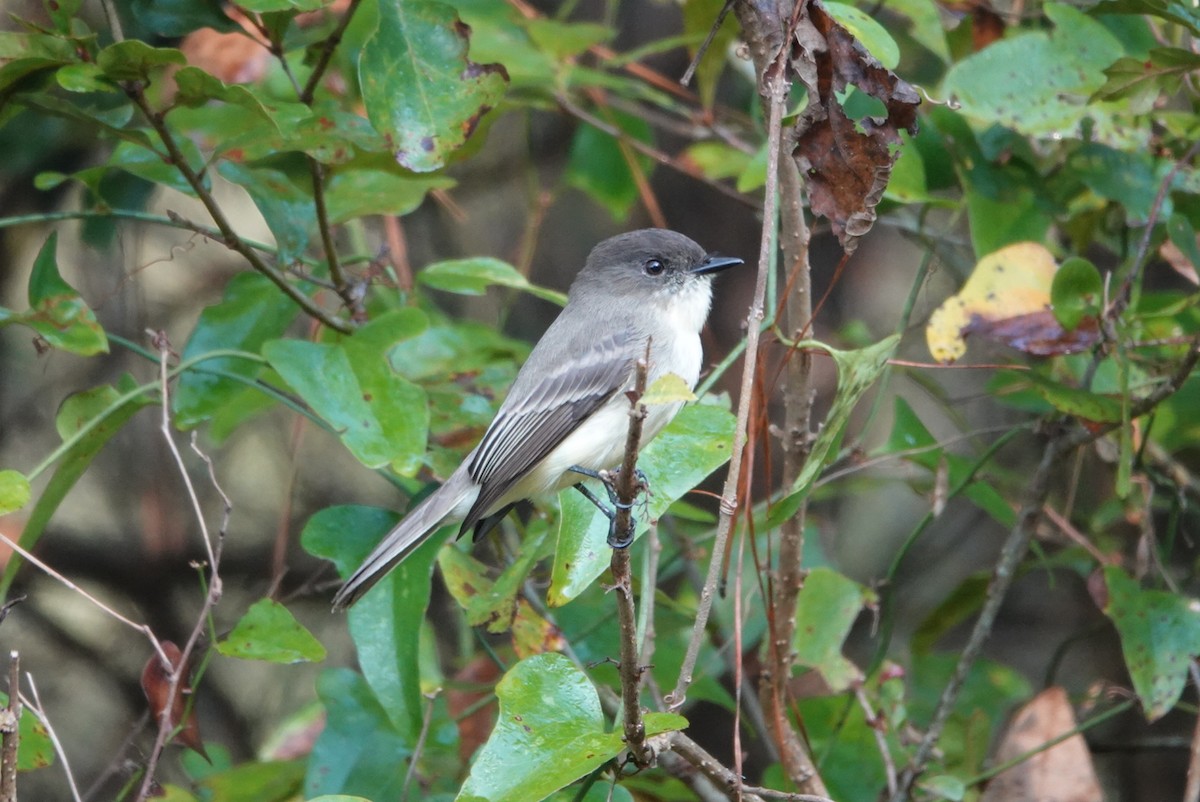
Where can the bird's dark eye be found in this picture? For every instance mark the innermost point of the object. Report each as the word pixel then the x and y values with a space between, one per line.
pixel 653 267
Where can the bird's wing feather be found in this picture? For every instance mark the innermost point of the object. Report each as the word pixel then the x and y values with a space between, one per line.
pixel 531 423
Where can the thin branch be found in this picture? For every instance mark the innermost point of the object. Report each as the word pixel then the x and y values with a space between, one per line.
pixel 39 712
pixel 144 629
pixel 1126 292
pixel 776 93
pixel 710 767
pixel 10 727
pixel 326 56
pixel 700 51
pixel 418 748
pixel 229 237
pixel 177 672
pixel 1192 792
pixel 1059 446
pixel 627 486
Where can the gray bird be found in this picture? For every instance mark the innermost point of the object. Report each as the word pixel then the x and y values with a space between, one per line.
pixel 567 412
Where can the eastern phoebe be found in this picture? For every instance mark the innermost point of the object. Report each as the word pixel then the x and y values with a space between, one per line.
pixel 567 408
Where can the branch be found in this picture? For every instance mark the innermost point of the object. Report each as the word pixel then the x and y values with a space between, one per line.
pixel 1059 446
pixel 776 92
pixel 331 43
pixel 10 718
pixel 627 486
pixel 229 237
pixel 39 712
pixel 177 671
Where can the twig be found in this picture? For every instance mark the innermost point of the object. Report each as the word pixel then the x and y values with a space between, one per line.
pixel 397 245
pixel 885 754
pixel 229 237
pixel 1015 546
pixel 426 720
pixel 142 628
pixel 1192 792
pixel 700 51
pixel 1123 296
pixel 10 727
pixel 326 56
pixel 776 92
pixel 649 581
pixel 710 767
pixel 627 488
pixel 39 712
pixel 178 671
pixel 113 19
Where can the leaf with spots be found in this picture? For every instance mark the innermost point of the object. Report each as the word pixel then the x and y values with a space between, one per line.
pixel 847 161
pixel 57 313
pixel 1007 298
pixel 420 89
pixel 268 631
pixel 1160 635
pixel 550 732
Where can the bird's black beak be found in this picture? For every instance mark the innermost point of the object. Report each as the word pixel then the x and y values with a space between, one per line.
pixel 714 263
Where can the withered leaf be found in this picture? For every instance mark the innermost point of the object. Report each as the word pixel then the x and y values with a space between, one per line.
pixel 156 684
pixel 1037 333
pixel 847 162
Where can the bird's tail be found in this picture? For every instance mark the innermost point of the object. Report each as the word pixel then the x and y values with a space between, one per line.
pixel 405 536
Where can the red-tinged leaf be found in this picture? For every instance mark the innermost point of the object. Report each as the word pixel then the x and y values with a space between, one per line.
pixel 1037 333
pixel 471 686
pixel 156 684
pixel 847 162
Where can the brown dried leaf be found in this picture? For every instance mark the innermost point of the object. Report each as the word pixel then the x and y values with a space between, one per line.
pixel 1037 333
pixel 1062 773
pixel 847 162
pixel 1179 261
pixel 235 58
pixel 474 728
pixel 156 684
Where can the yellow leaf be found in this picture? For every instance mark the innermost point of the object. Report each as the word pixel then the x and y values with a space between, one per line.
pixel 669 388
pixel 1008 283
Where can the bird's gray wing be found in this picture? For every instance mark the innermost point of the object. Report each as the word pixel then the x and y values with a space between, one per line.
pixel 547 402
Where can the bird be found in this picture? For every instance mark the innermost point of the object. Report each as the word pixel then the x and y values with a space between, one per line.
pixel 567 411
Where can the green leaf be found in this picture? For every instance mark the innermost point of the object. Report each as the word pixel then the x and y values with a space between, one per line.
pixel 267 6
pixel 133 60
pixel 826 607
pixel 857 371
pixel 173 18
pixel 550 732
pixel 597 166
pixel 268 631
pixel 944 786
pixel 196 88
pixel 56 312
pixel 1077 292
pixel 35 750
pixel 252 311
pixel 1182 12
pixel 566 39
pixel 14 491
pixel 150 163
pixel 256 781
pixel 693 445
pixel 717 160
pixel 1183 235
pixel 926 25
pixel 1074 401
pixel 474 276
pixel 85 77
pixel 359 752
pixel 1144 79
pixel 698 19
pixel 374 183
pixel 869 33
pixel 1036 82
pixel 90 419
pixel 289 210
pixel 1128 178
pixel 1160 635
pixel 420 89
pixel 386 622
pixel 488 601
pixel 379 415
